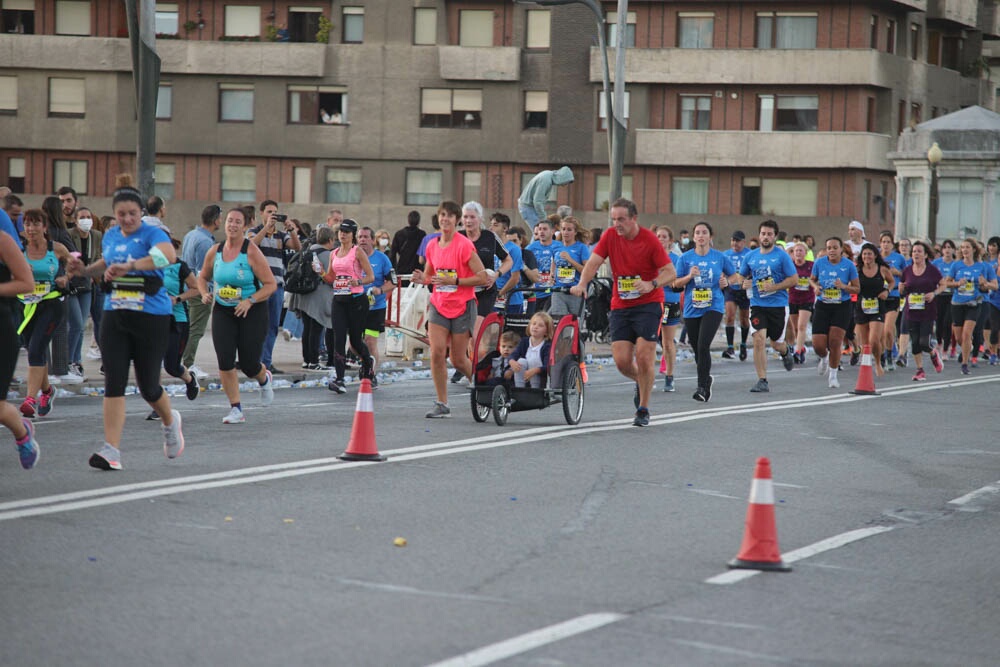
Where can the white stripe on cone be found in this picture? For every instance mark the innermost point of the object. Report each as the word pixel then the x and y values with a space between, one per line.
pixel 365 403
pixel 762 492
pixel 866 360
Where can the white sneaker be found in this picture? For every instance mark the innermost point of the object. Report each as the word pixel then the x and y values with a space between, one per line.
pixel 834 383
pixel 94 353
pixel 55 379
pixel 173 439
pixel 824 366
pixel 267 391
pixel 197 372
pixel 71 378
pixel 235 416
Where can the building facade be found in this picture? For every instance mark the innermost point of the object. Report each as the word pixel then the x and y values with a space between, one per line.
pixel 736 110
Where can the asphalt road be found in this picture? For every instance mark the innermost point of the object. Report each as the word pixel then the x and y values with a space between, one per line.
pixel 529 544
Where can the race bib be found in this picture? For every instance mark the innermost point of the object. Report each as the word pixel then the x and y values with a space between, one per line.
pixel 766 285
pixel 701 298
pixel 41 290
pixel 450 275
pixel 831 295
pixel 567 273
pixel 500 302
pixel 545 278
pixel 628 287
pixel 916 301
pixel 127 299
pixel 803 284
pixel 342 286
pixel 229 295
pixel 869 306
pixel 968 289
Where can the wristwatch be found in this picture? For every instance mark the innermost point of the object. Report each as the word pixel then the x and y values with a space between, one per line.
pixel 654 283
pixel 252 300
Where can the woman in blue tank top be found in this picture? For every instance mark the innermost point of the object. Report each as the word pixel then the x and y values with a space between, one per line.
pixel 243 282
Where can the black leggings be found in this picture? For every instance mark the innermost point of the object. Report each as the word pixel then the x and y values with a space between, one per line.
pixel 175 348
pixel 943 326
pixel 920 335
pixel 701 333
pixel 349 317
pixel 140 339
pixel 8 346
pixel 41 328
pixel 312 331
pixel 243 335
pixel 994 320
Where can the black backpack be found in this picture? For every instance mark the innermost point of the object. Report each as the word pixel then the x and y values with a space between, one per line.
pixel 300 278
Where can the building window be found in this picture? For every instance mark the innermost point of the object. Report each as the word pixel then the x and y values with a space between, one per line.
pixel 873 33
pixel 890 36
pixel 18 18
pixel 475 27
pixel 472 186
pixel 165 102
pixel 72 173
pixel 8 95
pixel 236 102
pixel 425 28
pixel 689 195
pixel 423 187
pixel 539 29
pixel 603 110
pixel 536 110
pixel 915 113
pixel 242 21
pixel 301 185
pixel 694 30
pixel 750 196
pixel 696 112
pixel 870 118
pixel 612 29
pixel 166 20
pixel 317 105
pixel 786 30
pixel 915 46
pixel 343 185
pixel 66 98
pixel 239 183
pixel 442 107
pixel 602 185
pixel 72 17
pixel 354 25
pixel 788 113
pixel 164 177
pixel 303 23
pixel 15 174
pixel 787 196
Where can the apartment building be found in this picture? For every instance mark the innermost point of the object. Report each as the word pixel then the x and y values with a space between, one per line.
pixel 735 110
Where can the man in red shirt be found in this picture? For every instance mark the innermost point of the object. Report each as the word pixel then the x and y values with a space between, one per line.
pixel 640 268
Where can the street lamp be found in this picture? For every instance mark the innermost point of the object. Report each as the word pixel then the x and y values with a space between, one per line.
pixel 616 126
pixel 934 156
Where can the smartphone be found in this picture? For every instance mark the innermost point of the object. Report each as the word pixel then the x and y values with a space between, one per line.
pixel 280 217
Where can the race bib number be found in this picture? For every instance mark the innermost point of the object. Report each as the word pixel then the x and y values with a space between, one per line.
pixel 229 295
pixel 832 295
pixel 701 298
pixel 342 286
pixel 41 290
pixel 545 278
pixel 916 301
pixel 869 306
pixel 765 286
pixel 450 275
pixel 628 287
pixel 127 299
pixel 566 273
pixel 500 302
pixel 803 284
pixel 968 289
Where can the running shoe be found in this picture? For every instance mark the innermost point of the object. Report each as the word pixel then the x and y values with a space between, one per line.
pixel 855 356
pixel 786 359
pixel 456 376
pixel 708 388
pixel 802 357
pixel 94 353
pixel 761 387
pixel 993 360
pixel 743 352
pixel 641 417
pixel 975 359
pixel 72 378
pixel 440 411
pixel 936 360
pixel 197 372
pixel 337 386
pixel 367 369
pixel 919 376
pixel 374 381
pixel 45 401
pixel 729 353
pixel 78 369
pixel 306 366
pixel 153 416
pixel 901 361
pixel 635 396
pixel 700 395
pixel 27 449
pixel 267 390
pixel 108 458
pixel 275 370
pixel 833 383
pixel 965 369
pixel 192 387
pixel 668 383
pixel 823 367
pixel 235 416
pixel 173 438
pixel 29 407
pixel 951 353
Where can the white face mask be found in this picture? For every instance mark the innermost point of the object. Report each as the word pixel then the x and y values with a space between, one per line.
pixel 85 224
pixel 383 242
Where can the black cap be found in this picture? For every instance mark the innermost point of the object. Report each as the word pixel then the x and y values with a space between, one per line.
pixel 739 236
pixel 349 225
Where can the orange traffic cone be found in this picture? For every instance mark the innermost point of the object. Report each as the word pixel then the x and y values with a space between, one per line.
pixel 759 550
pixel 362 445
pixel 866 381
pixel 583 372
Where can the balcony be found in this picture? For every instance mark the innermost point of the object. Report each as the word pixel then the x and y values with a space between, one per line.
pixel 487 63
pixel 989 21
pixel 789 150
pixel 914 5
pixel 105 54
pixel 963 12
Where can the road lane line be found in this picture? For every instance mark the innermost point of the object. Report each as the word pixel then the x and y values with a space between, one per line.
pixel 835 542
pixel 530 641
pixel 717 648
pixel 964 502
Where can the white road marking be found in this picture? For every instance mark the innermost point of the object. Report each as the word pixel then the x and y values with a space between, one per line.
pixel 715 494
pixel 529 641
pixel 409 590
pixel 965 503
pixel 730 651
pixel 709 621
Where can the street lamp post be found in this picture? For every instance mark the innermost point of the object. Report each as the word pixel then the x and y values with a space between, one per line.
pixel 934 156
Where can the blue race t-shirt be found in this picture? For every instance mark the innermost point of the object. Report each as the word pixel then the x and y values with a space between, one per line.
pixel 118 248
pixel 669 295
pixel 382 268
pixel 945 269
pixel 544 255
pixel 897 262
pixel 703 293
pixel 969 292
pixel 737 258
pixel 826 274
pixel 767 270
pixel 514 250
pixel 7 226
pixel 174 277
pixel 566 273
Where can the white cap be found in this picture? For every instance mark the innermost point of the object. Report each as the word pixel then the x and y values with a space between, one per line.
pixel 855 224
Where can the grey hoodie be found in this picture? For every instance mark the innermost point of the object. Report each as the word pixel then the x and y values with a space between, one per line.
pixel 536 192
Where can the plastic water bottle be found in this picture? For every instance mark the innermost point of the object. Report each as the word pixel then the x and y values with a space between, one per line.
pixel 317 267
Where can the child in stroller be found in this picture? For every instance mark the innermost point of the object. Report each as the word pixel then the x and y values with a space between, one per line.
pixel 498 362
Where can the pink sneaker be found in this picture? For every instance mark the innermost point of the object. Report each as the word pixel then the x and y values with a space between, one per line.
pixel 919 376
pixel 936 360
pixel 29 407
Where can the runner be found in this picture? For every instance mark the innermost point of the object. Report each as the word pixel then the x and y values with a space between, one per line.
pixel 704 273
pixel 640 267
pixel 875 280
pixel 545 249
pixel 991 328
pixel 243 282
pixel 570 259
pixel 454 269
pixel 942 327
pixel 15 278
pixel 834 279
pixel 383 284
pixel 902 327
pixel 800 301
pixel 770 273
pixel 969 278
pixel 507 300
pixel 737 299
pixel 671 313
pixel 896 263
pixel 136 324
pixel 921 284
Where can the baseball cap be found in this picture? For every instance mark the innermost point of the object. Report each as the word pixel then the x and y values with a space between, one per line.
pixel 738 235
pixel 349 225
pixel 855 224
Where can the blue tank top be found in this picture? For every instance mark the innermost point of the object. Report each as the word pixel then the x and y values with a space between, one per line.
pixel 44 271
pixel 174 285
pixel 235 280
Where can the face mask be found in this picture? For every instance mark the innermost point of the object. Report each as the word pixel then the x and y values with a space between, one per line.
pixel 85 224
pixel 383 242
